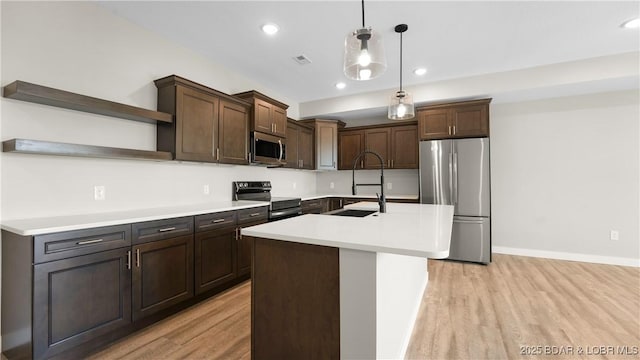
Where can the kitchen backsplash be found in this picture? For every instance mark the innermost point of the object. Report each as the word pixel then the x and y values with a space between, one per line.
pixel 403 182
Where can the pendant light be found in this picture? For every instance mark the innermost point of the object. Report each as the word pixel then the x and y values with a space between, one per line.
pixel 363 53
pixel 401 105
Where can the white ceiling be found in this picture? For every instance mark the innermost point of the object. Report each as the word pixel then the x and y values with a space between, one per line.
pixel 451 39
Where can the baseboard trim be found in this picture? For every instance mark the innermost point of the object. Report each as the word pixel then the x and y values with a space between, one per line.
pixel 609 260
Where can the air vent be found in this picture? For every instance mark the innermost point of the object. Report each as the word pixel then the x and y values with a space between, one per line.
pixel 302 59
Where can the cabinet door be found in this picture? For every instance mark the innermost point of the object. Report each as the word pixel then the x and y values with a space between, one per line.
pixel 470 121
pixel 245 248
pixel 279 118
pixel 196 125
pixel 351 145
pixel 233 134
pixel 162 275
pixel 292 147
pixel 327 145
pixel 78 299
pixel 262 116
pixel 434 124
pixel 305 148
pixel 378 140
pixel 404 147
pixel 215 258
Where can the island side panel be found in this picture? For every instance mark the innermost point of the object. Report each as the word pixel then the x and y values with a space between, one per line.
pixel 358 304
pixel 295 297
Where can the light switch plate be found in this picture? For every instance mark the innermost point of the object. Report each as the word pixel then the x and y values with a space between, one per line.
pixel 614 235
pixel 205 189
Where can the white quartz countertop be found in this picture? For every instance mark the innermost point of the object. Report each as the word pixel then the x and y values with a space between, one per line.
pixel 405 229
pixel 38 226
pixel 320 196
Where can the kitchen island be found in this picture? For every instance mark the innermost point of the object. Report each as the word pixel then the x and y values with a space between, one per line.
pixel 343 287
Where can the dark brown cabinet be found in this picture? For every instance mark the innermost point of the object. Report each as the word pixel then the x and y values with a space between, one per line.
pixel 326 142
pixel 162 264
pixel 162 275
pixel 79 299
pixel 66 293
pixel 300 143
pixel 396 144
pixel 379 141
pixel 268 115
pixel 454 120
pixel 351 143
pixel 404 147
pixel 315 206
pixel 209 126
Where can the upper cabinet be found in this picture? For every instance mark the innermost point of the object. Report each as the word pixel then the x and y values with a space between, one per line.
pixel 300 141
pixel 209 126
pixel 326 140
pixel 454 120
pixel 396 144
pixel 268 116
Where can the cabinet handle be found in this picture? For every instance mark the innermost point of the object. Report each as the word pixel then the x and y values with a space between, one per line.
pixel 129 260
pixel 334 164
pixel 391 162
pixel 89 241
pixel 236 234
pixel 167 229
pixel 138 257
pixel 275 127
pixel 340 202
pixel 454 129
pixel 239 234
pixel 217 153
pixel 254 214
pixel 449 129
pixel 217 221
pixel 362 164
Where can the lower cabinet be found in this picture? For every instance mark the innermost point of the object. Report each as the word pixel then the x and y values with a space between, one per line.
pixel 78 299
pixel 66 293
pixel 162 275
pixel 215 254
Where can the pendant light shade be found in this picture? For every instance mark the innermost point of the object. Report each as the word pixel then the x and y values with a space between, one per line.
pixel 364 57
pixel 401 105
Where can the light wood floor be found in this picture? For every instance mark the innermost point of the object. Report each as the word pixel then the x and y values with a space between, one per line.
pixel 468 312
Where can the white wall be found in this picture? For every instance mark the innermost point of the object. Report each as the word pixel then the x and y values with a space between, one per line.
pixel 83 48
pixel 564 172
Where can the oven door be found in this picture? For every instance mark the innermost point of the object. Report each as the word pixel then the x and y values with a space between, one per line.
pixel 267 149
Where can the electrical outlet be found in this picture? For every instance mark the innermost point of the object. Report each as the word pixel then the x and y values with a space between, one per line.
pixel 332 185
pixel 389 186
pixel 614 235
pixel 99 192
pixel 294 185
pixel 205 189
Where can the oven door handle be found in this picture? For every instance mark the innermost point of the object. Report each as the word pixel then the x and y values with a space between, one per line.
pixel 276 214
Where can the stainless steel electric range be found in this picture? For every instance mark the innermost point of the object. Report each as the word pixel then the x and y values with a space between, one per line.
pixel 279 208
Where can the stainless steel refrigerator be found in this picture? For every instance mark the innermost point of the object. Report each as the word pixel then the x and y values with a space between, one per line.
pixel 456 172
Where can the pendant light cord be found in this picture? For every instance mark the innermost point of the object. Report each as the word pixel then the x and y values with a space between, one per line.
pixel 400 61
pixel 363 14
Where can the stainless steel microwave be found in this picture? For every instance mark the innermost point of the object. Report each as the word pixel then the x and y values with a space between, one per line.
pixel 267 149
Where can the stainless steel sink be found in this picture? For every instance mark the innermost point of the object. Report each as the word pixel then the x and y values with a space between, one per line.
pixel 352 212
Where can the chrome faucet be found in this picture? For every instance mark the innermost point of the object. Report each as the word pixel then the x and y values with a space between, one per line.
pixel 382 201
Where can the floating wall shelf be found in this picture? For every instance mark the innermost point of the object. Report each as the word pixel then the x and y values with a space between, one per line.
pixel 25 91
pixel 25 146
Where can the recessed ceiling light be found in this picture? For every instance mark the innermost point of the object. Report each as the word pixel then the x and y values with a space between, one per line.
pixel 341 85
pixel 420 71
pixel 631 24
pixel 270 29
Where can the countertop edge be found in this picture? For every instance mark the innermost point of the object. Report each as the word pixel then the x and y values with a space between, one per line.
pixel 11 226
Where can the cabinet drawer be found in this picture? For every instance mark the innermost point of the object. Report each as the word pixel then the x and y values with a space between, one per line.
pixel 253 214
pixel 68 244
pixel 215 220
pixel 161 229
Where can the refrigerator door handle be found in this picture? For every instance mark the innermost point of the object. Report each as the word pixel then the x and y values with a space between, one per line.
pixel 451 177
pixel 455 178
pixel 468 221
